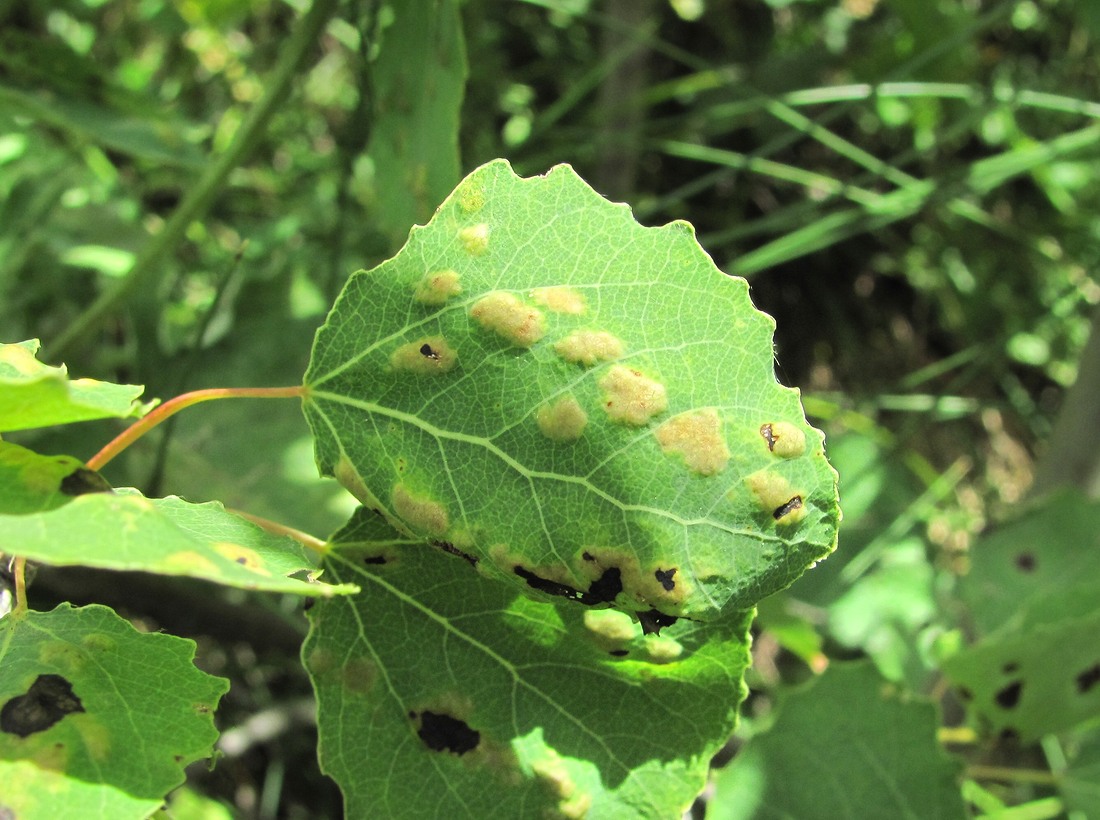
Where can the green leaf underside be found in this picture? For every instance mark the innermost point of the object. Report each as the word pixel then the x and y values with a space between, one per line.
pixel 36 395
pixel 847 746
pixel 1034 592
pixel 135 712
pixel 563 727
pixel 122 530
pixel 470 444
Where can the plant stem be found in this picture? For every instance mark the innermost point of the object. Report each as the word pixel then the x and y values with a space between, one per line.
pixel 200 197
pixel 173 406
pixel 304 538
pixel 19 575
pixel 1006 774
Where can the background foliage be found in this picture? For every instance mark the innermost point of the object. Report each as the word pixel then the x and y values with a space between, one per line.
pixel 910 187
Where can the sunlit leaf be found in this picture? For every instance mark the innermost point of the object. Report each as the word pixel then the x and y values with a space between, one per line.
pixel 36 395
pixel 444 694
pixel 585 407
pixel 96 718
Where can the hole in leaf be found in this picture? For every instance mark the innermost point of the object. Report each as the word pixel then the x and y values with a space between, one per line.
pixel 653 621
pixel 665 579
pixel 1009 696
pixel 619 653
pixel 546 585
pixel 48 700
pixel 604 589
pixel 375 559
pixel 1025 562
pixel 443 733
pixel 1089 678
pixel 82 481
pixel 788 507
pixel 427 352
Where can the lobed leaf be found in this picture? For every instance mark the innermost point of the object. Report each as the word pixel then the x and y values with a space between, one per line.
pixel 585 407
pixel 56 511
pixel 96 718
pixel 444 694
pixel 33 394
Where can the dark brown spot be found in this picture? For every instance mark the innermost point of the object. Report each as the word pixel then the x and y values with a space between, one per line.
pixel 587 556
pixel 1009 696
pixel 664 578
pixel 82 481
pixel 1089 678
pixel 1025 562
pixel 769 437
pixel 48 700
pixel 546 585
pixel 1009 735
pixel 965 693
pixel 427 352
pixel 789 507
pixel 619 653
pixel 653 621
pixel 443 733
pixel 1010 668
pixel 242 560
pixel 375 559
pixel 447 546
pixel 309 604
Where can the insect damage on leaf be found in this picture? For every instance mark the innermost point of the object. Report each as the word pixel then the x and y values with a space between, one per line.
pixel 784 439
pixel 442 733
pixel 244 556
pixel 48 700
pixel 631 397
pixel 560 299
pixel 475 239
pixel 696 437
pixel 506 315
pixel 437 287
pixel 562 421
pixel 82 481
pixel 429 356
pixel 775 494
pixel 420 513
pixel 573 804
pixel 587 347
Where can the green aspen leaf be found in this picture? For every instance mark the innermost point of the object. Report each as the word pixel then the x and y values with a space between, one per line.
pixel 849 746
pixel 75 519
pixel 417 102
pixel 444 694
pixel 36 395
pixel 585 406
pixel 96 718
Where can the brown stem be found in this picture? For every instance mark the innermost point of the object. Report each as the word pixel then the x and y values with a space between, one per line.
pixel 173 406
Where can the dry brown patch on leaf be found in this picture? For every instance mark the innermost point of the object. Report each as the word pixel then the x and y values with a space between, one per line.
pixel 507 316
pixel 588 347
pixel 696 436
pixel 631 397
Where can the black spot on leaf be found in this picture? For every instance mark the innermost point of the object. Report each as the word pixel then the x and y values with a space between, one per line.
pixel 1010 668
pixel 443 733
pixel 665 579
pixel 375 559
pixel 619 653
pixel 790 506
pixel 546 585
pixel 242 560
pixel 653 621
pixel 447 546
pixel 1009 696
pixel 965 693
pixel 82 481
pixel 1089 678
pixel 1025 562
pixel 769 436
pixel 587 556
pixel 427 352
pixel 309 604
pixel 604 589
pixel 48 700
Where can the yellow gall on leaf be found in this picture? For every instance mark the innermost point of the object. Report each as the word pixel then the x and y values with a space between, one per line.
pixel 246 557
pixel 471 198
pixel 589 346
pixel 437 287
pixel 631 397
pixel 430 356
pixel 475 239
pixel 662 649
pixel 784 439
pixel 563 421
pixel 560 299
pixel 777 496
pixel 420 513
pixel 696 436
pixel 506 315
